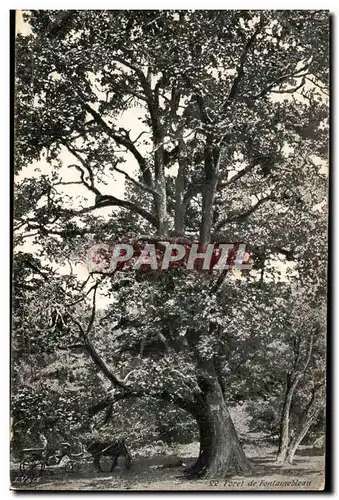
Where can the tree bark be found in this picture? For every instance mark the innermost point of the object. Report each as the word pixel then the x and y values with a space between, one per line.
pixel 211 167
pixel 292 383
pixel 309 419
pixel 296 441
pixel 180 206
pixel 161 206
pixel 220 451
pixel 284 435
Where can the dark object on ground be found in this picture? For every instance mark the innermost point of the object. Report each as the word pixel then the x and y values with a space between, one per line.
pixel 106 454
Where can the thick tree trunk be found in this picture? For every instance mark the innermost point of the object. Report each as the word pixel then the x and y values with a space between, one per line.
pixel 220 451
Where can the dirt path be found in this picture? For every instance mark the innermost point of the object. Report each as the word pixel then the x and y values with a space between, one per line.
pixel 148 474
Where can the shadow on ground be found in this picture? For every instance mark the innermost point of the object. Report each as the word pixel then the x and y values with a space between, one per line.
pixel 150 474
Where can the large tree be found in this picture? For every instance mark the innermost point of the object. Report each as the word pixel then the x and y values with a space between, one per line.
pixel 230 145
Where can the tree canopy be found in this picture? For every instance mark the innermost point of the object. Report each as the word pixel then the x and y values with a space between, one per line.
pixel 217 122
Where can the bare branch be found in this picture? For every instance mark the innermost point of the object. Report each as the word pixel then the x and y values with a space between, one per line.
pixel 142 78
pixel 96 358
pixel 122 141
pixel 135 182
pixel 240 69
pixel 309 354
pixel 243 215
pixel 92 318
pixel 83 162
pixel 61 183
pixel 112 201
pixel 296 74
pixel 322 88
pixel 83 181
pixel 82 298
pixel 291 90
pixel 239 174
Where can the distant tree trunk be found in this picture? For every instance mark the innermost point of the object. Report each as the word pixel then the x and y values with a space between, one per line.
pixel 309 419
pixel 220 451
pixel 292 383
pixel 180 207
pixel 284 435
pixel 296 441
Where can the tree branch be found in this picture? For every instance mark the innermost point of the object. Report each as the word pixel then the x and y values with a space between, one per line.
pixel 280 80
pixel 291 90
pixel 142 186
pixel 92 318
pixel 122 141
pixel 240 70
pixel 96 358
pixel 242 216
pixel 112 201
pixel 163 395
pixel 239 174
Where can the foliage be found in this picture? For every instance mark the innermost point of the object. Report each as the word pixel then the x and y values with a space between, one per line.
pixel 229 144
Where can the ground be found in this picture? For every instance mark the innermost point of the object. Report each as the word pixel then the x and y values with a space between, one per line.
pixel 149 473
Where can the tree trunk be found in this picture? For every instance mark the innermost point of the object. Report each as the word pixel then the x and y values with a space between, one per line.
pixel 162 207
pixel 298 439
pixel 284 435
pixel 310 417
pixel 180 207
pixel 220 451
pixel 292 383
pixel 207 212
pixel 211 166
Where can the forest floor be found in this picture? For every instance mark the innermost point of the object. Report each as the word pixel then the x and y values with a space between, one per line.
pixel 149 473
